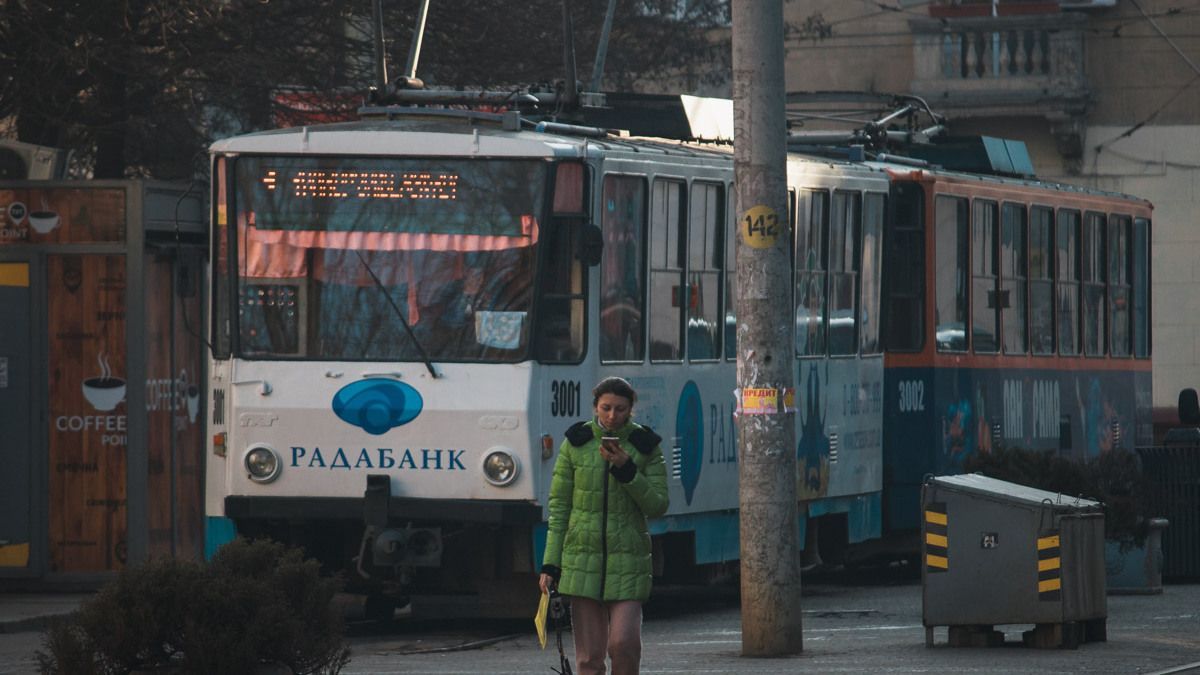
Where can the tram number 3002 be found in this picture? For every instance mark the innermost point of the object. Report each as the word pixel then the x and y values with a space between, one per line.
pixel 912 395
pixel 565 398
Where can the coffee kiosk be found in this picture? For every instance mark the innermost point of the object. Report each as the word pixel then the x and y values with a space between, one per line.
pixel 101 396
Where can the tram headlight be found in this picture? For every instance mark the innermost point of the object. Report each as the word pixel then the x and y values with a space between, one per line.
pixel 499 466
pixel 262 464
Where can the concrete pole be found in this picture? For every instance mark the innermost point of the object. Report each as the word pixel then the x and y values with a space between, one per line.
pixel 770 571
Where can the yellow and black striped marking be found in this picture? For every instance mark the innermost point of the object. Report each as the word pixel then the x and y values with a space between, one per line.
pixel 1049 566
pixel 937 550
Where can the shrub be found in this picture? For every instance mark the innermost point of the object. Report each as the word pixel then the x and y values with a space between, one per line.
pixel 1114 478
pixel 255 603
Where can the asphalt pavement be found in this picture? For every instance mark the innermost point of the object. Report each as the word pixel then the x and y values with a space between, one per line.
pixel 860 625
pixel 24 612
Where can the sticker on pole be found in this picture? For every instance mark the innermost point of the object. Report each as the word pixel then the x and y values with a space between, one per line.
pixel 760 401
pixel 760 227
pixel 789 400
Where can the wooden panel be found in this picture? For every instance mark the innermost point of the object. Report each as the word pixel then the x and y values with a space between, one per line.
pixel 189 349
pixel 62 215
pixel 161 404
pixel 175 442
pixel 88 437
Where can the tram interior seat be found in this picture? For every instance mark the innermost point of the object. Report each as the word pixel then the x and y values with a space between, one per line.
pixel 1189 418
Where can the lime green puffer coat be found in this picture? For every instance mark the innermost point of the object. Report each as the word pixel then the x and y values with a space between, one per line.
pixel 597 538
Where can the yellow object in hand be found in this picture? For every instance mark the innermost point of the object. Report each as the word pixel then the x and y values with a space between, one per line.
pixel 539 619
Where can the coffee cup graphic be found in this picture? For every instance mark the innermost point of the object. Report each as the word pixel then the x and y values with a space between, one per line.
pixel 104 393
pixel 193 402
pixel 43 222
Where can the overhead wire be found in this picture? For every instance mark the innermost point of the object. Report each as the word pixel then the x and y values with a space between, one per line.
pixel 1166 37
pixel 1178 92
pixel 1181 11
pixel 885 9
pixel 1152 162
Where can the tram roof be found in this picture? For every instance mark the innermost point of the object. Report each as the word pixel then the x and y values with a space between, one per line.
pixel 968 178
pixel 445 133
pixel 433 136
pixel 449 136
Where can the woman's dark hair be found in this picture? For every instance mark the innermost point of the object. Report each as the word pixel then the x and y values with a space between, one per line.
pixel 1189 407
pixel 614 385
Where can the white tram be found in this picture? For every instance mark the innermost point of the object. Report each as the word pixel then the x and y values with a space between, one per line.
pixel 408 312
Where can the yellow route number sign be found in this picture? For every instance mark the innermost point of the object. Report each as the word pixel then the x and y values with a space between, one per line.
pixel 760 226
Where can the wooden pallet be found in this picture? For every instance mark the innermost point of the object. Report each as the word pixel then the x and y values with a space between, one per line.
pixel 1065 635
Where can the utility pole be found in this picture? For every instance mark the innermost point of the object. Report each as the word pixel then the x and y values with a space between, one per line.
pixel 770 570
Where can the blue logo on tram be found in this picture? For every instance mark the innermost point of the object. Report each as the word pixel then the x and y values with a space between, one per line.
pixel 812 451
pixel 689 427
pixel 377 405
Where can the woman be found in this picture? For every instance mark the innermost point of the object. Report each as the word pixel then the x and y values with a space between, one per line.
pixel 608 479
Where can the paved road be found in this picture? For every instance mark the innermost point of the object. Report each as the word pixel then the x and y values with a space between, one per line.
pixel 862 628
pixel 847 629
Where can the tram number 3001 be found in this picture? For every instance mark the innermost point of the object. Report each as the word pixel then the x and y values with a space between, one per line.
pixel 565 398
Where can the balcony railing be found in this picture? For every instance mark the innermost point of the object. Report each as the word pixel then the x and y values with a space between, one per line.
pixel 985 66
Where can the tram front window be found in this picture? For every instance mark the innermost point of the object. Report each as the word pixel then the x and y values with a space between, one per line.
pixel 386 259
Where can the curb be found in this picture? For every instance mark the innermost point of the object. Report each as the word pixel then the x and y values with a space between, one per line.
pixel 29 624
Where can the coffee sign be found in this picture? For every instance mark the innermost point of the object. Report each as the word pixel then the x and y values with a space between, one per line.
pixel 88 433
pixel 62 215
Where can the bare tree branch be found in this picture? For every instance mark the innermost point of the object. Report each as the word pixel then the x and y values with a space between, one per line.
pixel 141 87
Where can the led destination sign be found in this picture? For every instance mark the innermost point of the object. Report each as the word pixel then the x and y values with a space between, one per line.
pixel 433 196
pixel 352 184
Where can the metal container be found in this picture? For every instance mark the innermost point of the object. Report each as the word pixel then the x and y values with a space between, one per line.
pixel 1001 553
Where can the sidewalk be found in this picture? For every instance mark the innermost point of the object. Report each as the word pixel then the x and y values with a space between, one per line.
pixel 20 612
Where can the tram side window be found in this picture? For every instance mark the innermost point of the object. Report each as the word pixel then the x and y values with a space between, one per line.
pixel 844 221
pixel 1041 280
pixel 560 334
pixel 730 283
pixel 904 270
pixel 1094 272
pixel 705 244
pixel 622 279
pixel 811 234
pixel 1066 267
pixel 1141 288
pixel 668 295
pixel 1013 278
pixel 871 291
pixel 984 278
pixel 560 331
pixel 952 257
pixel 1118 285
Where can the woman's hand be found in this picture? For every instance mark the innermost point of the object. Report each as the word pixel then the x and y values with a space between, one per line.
pixel 613 453
pixel 545 581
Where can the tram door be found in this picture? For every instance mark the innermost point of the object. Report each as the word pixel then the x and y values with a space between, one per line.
pixel 16 441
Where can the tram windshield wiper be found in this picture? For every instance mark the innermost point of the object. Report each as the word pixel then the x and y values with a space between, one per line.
pixel 399 315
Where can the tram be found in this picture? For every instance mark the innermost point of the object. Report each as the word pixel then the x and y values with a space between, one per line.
pixel 408 311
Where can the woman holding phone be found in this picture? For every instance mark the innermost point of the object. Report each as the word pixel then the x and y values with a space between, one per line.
pixel 608 479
